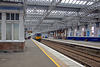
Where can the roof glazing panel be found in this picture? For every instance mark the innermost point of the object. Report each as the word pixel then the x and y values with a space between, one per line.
pixel 41 0
pixel 77 2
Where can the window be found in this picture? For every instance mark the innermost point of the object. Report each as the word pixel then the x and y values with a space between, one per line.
pixel 0 16
pixel 82 31
pixel 12 16
pixel 16 31
pixel 12 31
pixel 8 31
pixel 7 16
pixel 92 31
pixel 0 31
pixel 70 33
pixel 75 32
pixel 17 16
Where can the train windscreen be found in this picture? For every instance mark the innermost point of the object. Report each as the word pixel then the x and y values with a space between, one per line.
pixel 38 34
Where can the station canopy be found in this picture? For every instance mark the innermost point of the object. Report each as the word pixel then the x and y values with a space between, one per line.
pixel 49 15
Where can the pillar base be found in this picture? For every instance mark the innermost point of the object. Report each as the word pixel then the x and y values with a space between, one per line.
pixel 12 46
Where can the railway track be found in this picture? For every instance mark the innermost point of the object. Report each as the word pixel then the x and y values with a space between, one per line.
pixel 80 55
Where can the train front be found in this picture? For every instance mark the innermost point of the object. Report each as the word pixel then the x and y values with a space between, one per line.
pixel 38 36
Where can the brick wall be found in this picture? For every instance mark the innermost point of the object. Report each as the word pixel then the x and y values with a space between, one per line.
pixel 12 46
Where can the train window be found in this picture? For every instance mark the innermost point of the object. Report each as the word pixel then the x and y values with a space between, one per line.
pixel 38 35
pixel 0 31
pixel 7 16
pixel 8 31
pixel 16 31
pixel 17 16
pixel 12 16
pixel 0 16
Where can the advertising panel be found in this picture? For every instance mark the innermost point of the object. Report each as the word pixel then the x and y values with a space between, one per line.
pixel 88 33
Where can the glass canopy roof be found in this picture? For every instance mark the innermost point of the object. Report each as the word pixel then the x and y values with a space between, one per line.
pixel 53 14
pixel 74 2
pixel 66 13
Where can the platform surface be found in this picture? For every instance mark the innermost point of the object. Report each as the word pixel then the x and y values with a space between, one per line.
pixel 63 61
pixel 31 57
pixel 83 43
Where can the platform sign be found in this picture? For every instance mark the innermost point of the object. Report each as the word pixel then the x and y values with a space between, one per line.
pixel 29 31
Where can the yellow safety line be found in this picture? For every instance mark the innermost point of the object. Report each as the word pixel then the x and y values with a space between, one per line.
pixel 46 53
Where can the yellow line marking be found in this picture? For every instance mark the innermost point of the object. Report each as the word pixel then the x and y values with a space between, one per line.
pixel 46 53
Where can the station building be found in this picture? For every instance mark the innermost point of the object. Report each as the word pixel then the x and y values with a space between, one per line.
pixel 11 26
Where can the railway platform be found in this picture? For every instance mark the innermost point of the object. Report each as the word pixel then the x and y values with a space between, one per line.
pixel 80 43
pixel 31 57
pixel 36 54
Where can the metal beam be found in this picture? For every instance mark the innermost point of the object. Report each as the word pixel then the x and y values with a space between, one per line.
pixel 90 8
pixel 58 8
pixel 51 8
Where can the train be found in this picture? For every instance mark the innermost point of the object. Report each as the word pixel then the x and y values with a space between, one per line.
pixel 38 36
